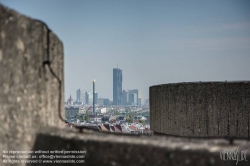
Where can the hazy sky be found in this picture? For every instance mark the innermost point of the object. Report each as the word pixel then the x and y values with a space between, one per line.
pixel 153 42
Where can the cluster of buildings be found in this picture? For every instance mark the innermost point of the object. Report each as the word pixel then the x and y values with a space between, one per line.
pixel 75 111
pixel 124 97
pixel 114 124
pixel 101 114
pixel 120 97
pixel 83 97
pixel 132 128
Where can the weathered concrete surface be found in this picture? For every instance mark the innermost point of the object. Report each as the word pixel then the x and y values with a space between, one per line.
pixel 29 93
pixel 123 150
pixel 209 109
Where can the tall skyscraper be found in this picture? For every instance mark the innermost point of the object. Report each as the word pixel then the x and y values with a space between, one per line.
pixel 137 92
pixel 89 97
pixel 117 86
pixel 80 95
pixel 94 97
pixel 125 97
pixel 133 98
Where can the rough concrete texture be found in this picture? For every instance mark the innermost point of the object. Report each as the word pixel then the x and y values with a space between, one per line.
pixel 203 109
pixel 123 150
pixel 29 93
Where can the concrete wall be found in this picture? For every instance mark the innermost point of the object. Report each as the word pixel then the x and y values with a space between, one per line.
pixel 126 150
pixel 209 109
pixel 29 93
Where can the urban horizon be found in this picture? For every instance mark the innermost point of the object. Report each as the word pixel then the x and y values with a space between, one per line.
pixel 85 96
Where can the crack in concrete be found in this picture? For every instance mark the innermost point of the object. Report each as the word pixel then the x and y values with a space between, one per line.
pixel 48 63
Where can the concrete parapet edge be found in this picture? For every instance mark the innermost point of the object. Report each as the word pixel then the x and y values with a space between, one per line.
pixel 201 109
pixel 121 150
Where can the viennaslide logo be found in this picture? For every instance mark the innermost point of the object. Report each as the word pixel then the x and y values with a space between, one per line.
pixel 233 155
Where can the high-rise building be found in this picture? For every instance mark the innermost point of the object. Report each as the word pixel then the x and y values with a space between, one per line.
pixel 94 97
pixel 133 98
pixel 89 97
pixel 80 95
pixel 117 86
pixel 125 97
pixel 137 92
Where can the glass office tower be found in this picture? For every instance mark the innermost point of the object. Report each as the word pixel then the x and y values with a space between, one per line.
pixel 117 86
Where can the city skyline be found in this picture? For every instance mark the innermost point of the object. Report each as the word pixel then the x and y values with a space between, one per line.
pixel 117 79
pixel 153 42
pixel 119 98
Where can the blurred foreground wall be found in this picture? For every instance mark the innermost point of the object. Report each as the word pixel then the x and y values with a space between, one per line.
pixel 29 93
pixel 202 109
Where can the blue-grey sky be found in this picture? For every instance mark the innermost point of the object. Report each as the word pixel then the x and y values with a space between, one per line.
pixel 153 42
